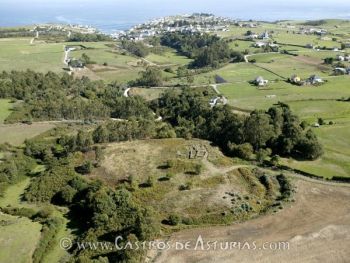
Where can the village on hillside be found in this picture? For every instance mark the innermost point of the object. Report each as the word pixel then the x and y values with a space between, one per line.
pixel 194 23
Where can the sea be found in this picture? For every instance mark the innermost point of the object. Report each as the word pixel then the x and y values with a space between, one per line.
pixel 113 15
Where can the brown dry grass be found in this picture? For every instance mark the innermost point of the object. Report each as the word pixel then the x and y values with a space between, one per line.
pixel 317 226
pixel 206 201
pixel 15 134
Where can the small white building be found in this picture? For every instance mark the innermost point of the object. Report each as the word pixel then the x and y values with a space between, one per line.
pixel 252 36
pixel 260 44
pixel 260 81
pixel 340 71
pixel 340 58
pixel 265 35
pixel 314 79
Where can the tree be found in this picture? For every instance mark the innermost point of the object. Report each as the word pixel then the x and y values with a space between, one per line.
pixel 67 194
pixel 165 131
pixel 308 146
pixel 136 48
pixel 320 121
pixel 100 134
pixel 258 129
pixel 190 79
pixel 174 220
pixel 329 60
pixel 262 154
pixel 86 59
pixel 85 168
pixel 151 77
pixel 275 160
pixel 244 151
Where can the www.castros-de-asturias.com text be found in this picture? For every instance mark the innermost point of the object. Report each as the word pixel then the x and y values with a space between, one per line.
pixel 199 244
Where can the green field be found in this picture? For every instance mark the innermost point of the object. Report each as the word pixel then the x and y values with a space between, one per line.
pixel 148 94
pixel 330 110
pixel 5 109
pixel 13 247
pixel 102 52
pixel 19 54
pixel 336 160
pixel 18 239
pixel 169 58
pixel 15 134
pixel 303 40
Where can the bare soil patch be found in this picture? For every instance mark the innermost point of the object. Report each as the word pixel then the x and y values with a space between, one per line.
pixel 312 61
pixel 317 227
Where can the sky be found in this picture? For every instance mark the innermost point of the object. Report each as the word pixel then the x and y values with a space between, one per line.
pixel 128 12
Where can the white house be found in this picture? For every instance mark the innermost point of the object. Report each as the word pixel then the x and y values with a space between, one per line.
pixel 252 36
pixel 340 71
pixel 273 45
pixel 260 81
pixel 340 58
pixel 260 44
pixel 264 35
pixel 314 79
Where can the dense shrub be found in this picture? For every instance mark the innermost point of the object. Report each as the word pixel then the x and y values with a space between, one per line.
pixel 136 48
pixel 47 240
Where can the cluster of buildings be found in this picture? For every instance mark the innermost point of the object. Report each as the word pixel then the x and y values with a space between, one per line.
pixel 264 36
pixel 246 25
pixel 84 29
pixel 265 44
pixel 264 40
pixel 342 58
pixel 294 79
pixel 312 31
pixel 260 81
pixel 341 71
pixel 196 23
pixel 220 100
pixel 312 80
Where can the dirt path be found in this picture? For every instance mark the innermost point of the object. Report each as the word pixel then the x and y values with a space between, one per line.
pixel 150 63
pixel 223 99
pixel 317 227
pixel 66 55
pixel 215 88
pixel 126 92
pixel 36 37
pixel 213 169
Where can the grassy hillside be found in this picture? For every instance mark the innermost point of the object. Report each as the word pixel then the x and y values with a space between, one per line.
pixel 336 160
pixel 15 134
pixel 13 247
pixel 189 179
pixel 19 54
